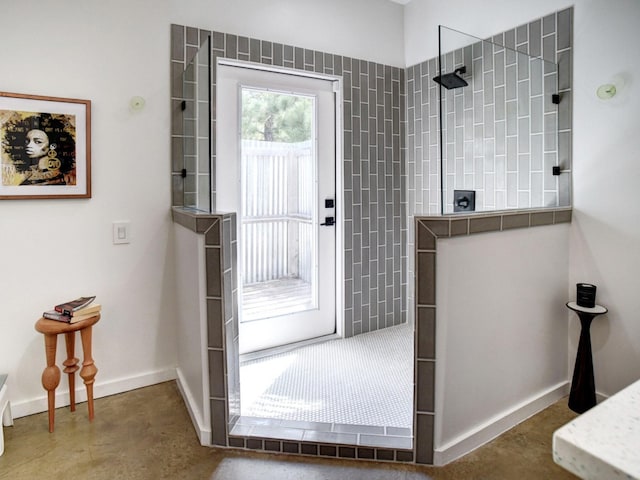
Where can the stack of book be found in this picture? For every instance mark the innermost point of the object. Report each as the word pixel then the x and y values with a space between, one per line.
pixel 74 311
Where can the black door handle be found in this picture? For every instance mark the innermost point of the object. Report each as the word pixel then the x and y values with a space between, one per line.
pixel 329 221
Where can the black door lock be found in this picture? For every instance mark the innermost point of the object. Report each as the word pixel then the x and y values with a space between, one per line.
pixel 329 221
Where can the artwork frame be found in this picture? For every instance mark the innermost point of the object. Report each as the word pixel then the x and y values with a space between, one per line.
pixel 45 147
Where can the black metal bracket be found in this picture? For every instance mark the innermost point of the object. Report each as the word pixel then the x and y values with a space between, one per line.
pixel 555 170
pixel 183 105
pixel 555 99
pixel 183 173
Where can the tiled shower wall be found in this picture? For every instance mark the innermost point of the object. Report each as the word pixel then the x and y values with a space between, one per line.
pixel 499 133
pixel 375 220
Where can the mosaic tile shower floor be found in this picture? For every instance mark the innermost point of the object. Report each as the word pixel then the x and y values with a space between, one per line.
pixel 355 390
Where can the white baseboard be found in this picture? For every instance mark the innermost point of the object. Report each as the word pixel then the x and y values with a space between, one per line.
pixel 203 431
pixel 499 424
pixel 100 389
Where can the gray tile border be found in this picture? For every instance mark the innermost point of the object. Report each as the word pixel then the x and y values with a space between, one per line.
pixel 386 441
pixel 317 426
pixel 254 444
pixel 485 224
pixel 219 417
pixel 330 437
pixel 309 449
pixel 385 455
pixel 236 442
pixel 562 216
pixel 213 271
pixel 366 453
pixel 460 227
pixel 518 220
pixel 272 446
pixel 281 433
pixel 424 449
pixel 290 447
pixel 404 456
pixel 426 330
pixel 217 384
pixel 398 431
pixel 541 218
pixel 425 268
pixel 358 429
pixel 347 452
pixel 425 376
pixel 426 239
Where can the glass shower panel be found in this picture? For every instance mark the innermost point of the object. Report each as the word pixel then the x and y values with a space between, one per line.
pixel 499 127
pixel 196 84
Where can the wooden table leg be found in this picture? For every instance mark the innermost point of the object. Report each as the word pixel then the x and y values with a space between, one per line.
pixel 71 367
pixel 51 375
pixel 89 369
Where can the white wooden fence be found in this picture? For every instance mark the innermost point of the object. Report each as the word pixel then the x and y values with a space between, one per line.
pixel 277 223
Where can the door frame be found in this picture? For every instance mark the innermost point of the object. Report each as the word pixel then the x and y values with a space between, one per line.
pixel 339 180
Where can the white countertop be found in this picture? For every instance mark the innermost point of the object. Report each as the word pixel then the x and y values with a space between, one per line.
pixel 603 442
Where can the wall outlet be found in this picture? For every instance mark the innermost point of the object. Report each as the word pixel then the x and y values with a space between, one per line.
pixel 121 232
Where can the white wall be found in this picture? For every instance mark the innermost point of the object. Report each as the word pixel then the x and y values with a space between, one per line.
pixel 365 29
pixel 479 19
pixel 605 233
pixel 191 337
pixel 501 332
pixel 55 250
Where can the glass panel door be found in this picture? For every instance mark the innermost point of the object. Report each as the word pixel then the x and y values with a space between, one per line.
pixel 278 203
pixel 276 165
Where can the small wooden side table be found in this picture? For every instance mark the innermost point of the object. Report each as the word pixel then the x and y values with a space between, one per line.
pixel 51 374
pixel 583 386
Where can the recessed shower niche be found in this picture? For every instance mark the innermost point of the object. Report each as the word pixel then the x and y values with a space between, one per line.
pixel 494 119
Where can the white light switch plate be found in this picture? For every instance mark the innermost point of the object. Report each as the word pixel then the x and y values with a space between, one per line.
pixel 121 232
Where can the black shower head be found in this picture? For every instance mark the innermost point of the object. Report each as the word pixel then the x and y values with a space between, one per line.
pixel 452 80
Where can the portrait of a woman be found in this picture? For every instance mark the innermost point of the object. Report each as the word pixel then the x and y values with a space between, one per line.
pixel 38 149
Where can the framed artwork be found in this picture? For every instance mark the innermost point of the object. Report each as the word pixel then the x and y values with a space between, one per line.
pixel 45 147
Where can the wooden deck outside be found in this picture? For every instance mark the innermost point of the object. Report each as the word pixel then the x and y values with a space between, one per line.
pixel 274 298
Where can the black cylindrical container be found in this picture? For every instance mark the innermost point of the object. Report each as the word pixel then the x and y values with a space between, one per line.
pixel 586 295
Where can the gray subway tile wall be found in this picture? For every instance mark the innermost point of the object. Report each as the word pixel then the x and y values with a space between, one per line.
pixel 497 130
pixel 373 143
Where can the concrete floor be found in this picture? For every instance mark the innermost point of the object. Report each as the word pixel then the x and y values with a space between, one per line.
pixel 147 434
